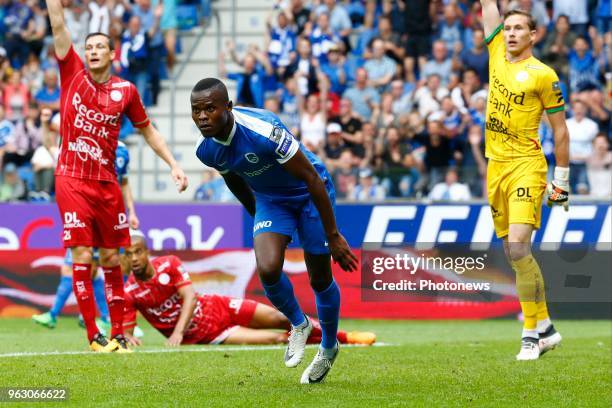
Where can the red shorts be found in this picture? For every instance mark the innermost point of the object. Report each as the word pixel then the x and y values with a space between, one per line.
pixel 93 213
pixel 217 317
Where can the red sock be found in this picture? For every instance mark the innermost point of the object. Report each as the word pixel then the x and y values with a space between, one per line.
pixel 83 291
pixel 113 285
pixel 341 336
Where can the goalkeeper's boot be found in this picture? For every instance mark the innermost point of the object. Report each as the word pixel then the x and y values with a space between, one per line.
pixel 297 343
pixel 104 325
pixel 45 319
pixel 357 337
pixel 100 344
pixel 121 344
pixel 550 339
pixel 320 366
pixel 529 349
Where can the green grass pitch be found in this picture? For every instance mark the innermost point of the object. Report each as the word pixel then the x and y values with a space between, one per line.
pixel 424 363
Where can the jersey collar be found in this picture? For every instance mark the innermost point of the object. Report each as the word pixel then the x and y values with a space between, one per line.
pixel 228 141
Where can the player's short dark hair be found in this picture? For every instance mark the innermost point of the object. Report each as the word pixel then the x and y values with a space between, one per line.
pixel 531 23
pixel 111 45
pixel 207 84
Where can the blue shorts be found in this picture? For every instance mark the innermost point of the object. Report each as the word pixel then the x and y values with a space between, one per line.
pixel 285 216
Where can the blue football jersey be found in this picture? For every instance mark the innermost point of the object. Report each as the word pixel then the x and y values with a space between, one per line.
pixel 122 159
pixel 256 148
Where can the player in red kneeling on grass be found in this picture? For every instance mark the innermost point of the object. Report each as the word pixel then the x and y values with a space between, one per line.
pixel 161 290
pixel 87 193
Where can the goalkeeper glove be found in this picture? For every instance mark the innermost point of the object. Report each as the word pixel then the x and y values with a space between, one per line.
pixel 558 189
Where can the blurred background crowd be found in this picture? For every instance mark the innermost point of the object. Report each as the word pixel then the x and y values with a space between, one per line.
pixel 390 94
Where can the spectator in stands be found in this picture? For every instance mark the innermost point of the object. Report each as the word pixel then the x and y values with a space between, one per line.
pixel 599 168
pixel 450 189
pixel 5 67
pixel 350 126
pixel 397 164
pixel 76 16
pixel 380 68
pixel 281 39
pixel 441 64
pixel 250 82
pixel 558 44
pixel 305 69
pixel 16 97
pixel 300 15
pixel 576 10
pixel 313 123
pixel 7 133
pixel 595 100
pixel 453 121
pixel 12 188
pixel 150 21
pixel 401 99
pixel 367 189
pixel 394 47
pixel 428 97
pixel 477 57
pixel 450 29
pixel 467 91
pixel 33 75
pixel 439 152
pixel 18 20
pixel 289 105
pixel 334 145
pixel 49 95
pixel 99 16
pixel 538 10
pixel 213 188
pixel 335 70
pixel 135 53
pixel 345 175
pixel 323 37
pixel 37 29
pixel 168 26
pixel 26 138
pixel 583 66
pixel 582 131
pixel 45 156
pixel 418 23
pixel 385 116
pixel 339 20
pixel 363 98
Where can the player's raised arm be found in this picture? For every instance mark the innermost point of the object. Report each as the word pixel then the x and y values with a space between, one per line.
pixel 61 36
pixel 158 144
pixel 490 16
pixel 241 190
pixel 300 167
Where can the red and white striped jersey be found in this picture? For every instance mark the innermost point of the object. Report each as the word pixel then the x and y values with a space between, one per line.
pixel 91 116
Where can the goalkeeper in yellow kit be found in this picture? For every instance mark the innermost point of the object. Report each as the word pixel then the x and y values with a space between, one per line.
pixel 521 88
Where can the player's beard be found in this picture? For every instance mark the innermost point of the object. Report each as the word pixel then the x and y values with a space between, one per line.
pixel 141 273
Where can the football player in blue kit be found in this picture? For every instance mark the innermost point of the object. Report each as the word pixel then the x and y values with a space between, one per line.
pixel 285 188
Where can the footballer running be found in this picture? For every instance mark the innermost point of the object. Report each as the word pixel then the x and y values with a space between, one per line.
pixel 521 88
pixel 287 189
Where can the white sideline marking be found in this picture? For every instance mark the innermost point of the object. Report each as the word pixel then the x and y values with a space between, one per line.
pixel 202 349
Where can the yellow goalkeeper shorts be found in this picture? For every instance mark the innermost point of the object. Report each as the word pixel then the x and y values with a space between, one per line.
pixel 515 190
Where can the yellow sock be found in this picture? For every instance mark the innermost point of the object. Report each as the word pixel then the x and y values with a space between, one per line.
pixel 542 311
pixel 530 288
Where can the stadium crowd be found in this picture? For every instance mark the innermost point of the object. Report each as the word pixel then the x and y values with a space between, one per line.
pixel 391 94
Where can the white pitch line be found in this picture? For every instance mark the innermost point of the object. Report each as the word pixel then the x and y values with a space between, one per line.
pixel 203 349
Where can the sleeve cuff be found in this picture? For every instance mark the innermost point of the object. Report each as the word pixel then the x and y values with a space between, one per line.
pixel 493 34
pixel 294 149
pixel 141 125
pixel 555 109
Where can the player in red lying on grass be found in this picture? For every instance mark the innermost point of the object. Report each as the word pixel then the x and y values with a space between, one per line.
pixel 161 290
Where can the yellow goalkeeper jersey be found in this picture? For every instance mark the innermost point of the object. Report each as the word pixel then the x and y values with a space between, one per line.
pixel 518 94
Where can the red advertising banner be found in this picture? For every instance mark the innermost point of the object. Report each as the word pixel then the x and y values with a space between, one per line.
pixel 28 280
